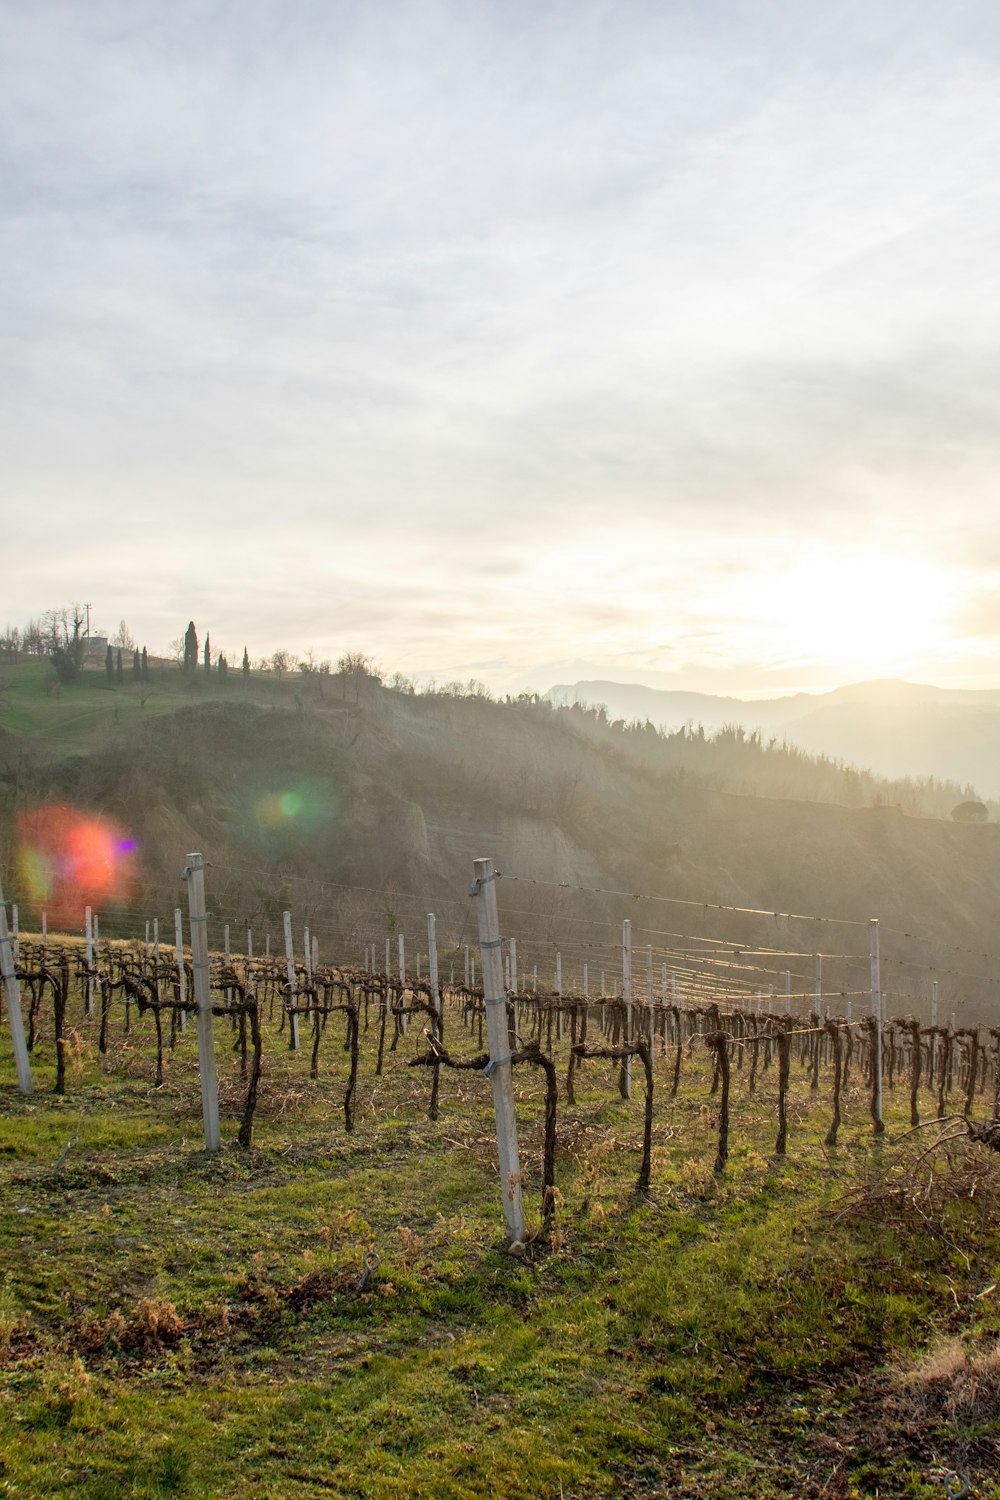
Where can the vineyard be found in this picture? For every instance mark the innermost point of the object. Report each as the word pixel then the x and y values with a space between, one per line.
pixel 255 1159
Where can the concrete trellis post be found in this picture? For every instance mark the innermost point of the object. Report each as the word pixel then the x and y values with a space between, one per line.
pixel 156 957
pixel 467 970
pixel 181 972
pixel 402 978
pixel 513 964
pixel 315 953
pixel 819 984
pixel 12 993
pixel 307 953
pixel 96 926
pixel 626 1072
pixel 88 918
pixel 873 948
pixel 788 992
pixel 388 951
pixel 559 1014
pixel 432 962
pixel 194 874
pixel 293 1020
pixel 586 984
pixel 16 931
pixel 499 1068
pixel 45 932
pixel 650 998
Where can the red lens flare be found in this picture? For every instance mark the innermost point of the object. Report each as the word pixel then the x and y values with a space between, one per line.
pixel 69 859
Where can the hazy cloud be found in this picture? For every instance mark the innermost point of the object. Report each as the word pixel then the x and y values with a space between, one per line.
pixel 572 310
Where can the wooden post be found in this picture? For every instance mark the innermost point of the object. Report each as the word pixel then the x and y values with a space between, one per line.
pixel 873 949
pixel 788 992
pixel 88 918
pixel 513 964
pixel 625 1077
pixel 181 972
pixel 194 874
pixel 650 1001
pixel 293 1020
pixel 819 984
pixel 484 891
pixel 586 985
pixel 12 993
pixel 156 959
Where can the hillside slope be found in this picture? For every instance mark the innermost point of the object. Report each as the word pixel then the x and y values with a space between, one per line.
pixel 364 815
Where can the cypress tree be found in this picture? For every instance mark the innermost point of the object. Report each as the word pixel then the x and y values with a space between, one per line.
pixel 136 664
pixel 145 665
pixel 119 671
pixel 109 664
pixel 190 648
pixel 208 653
pixel 246 665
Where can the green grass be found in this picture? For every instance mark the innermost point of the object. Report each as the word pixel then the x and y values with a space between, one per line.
pixel 174 1324
pixel 78 717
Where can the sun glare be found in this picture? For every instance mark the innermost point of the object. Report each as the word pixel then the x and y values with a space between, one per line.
pixel 856 617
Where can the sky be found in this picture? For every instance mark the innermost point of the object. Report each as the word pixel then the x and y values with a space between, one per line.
pixel 657 342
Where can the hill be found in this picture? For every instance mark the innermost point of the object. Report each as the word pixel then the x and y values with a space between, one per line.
pixel 362 808
pixel 895 729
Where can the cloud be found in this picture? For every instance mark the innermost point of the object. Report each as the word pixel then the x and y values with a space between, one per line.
pixel 338 303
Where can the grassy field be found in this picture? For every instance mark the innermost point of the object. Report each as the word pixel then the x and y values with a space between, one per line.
pixel 173 1324
pixel 77 716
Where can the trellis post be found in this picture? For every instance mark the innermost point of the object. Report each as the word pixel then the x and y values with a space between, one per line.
pixel 181 972
pixel 432 962
pixel 625 1081
pixel 16 925
pixel 499 1069
pixel 559 1014
pixel 873 948
pixel 402 979
pixel 293 1019
pixel 88 918
pixel 513 964
pixel 194 874
pixel 12 992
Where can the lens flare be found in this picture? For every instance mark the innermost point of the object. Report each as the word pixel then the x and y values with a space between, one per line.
pixel 305 806
pixel 68 859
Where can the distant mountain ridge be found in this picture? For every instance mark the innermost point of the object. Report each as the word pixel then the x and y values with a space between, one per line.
pixel 891 727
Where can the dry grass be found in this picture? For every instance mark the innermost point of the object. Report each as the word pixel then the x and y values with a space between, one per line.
pixel 956 1380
